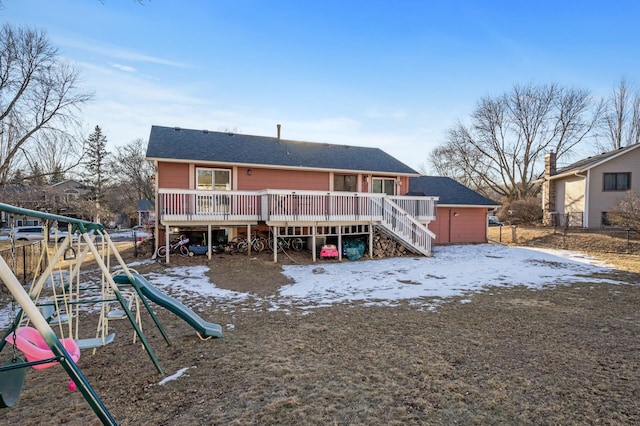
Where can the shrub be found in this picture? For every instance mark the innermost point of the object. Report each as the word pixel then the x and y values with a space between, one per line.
pixel 627 212
pixel 520 212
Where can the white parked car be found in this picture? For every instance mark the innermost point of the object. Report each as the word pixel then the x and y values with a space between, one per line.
pixel 36 233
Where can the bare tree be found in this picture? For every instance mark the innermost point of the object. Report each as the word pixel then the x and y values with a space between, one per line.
pixel 622 118
pixel 499 152
pixel 39 93
pixel 627 212
pixel 132 169
pixel 57 153
pixel 131 175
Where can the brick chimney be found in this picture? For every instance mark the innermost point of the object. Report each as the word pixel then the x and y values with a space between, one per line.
pixel 549 190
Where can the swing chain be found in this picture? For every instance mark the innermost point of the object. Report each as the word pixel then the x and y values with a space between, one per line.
pixel 13 269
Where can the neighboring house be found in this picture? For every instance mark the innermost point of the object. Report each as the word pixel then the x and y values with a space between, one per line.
pixel 583 193
pixel 67 191
pixel 207 181
pixel 461 215
pixel 59 198
pixel 146 213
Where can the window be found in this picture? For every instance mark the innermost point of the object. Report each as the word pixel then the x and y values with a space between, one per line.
pixel 217 180
pixel 213 179
pixel 347 183
pixel 71 194
pixel 384 186
pixel 617 181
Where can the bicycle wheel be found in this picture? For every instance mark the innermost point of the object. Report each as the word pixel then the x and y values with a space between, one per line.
pixel 257 246
pixel 162 251
pixel 297 244
pixel 242 246
pixel 184 251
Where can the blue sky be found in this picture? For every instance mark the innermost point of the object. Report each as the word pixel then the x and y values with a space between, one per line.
pixel 394 75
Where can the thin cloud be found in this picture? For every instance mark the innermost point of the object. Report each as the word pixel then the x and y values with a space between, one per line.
pixel 125 68
pixel 117 52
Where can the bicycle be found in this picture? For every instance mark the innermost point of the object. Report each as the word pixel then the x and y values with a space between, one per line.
pixel 176 246
pixel 286 243
pixel 257 242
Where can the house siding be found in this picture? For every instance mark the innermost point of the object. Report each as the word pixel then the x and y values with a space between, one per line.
pixel 469 226
pixel 179 176
pixel 603 201
pixel 282 179
pixel 571 195
pixel 173 175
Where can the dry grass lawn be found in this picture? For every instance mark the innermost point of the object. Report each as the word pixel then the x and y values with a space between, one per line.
pixel 562 355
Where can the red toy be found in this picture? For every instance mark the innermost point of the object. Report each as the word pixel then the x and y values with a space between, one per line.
pixel 329 250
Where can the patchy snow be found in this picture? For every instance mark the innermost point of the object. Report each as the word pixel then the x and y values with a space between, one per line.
pixel 452 271
pixel 425 281
pixel 174 376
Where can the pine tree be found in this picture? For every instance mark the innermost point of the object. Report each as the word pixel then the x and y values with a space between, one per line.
pixel 37 176
pixel 96 164
pixel 57 175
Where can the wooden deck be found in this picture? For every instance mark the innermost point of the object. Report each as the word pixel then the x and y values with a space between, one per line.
pixel 403 217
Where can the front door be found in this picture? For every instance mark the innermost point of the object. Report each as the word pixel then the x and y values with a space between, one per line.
pixel 208 179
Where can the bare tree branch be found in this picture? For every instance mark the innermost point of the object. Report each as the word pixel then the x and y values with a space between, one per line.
pixel 500 151
pixel 39 93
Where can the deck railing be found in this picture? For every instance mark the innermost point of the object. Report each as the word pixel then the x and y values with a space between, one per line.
pixel 180 205
pixel 315 206
pixel 401 216
pixel 422 208
pixel 406 227
pixel 191 205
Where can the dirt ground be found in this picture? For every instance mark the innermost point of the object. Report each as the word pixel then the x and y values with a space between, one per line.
pixel 562 355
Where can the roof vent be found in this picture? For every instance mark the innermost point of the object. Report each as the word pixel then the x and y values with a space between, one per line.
pixel 177 129
pixel 205 131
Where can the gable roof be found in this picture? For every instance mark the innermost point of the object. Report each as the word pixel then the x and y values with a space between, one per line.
pixel 591 162
pixel 145 206
pixel 449 191
pixel 169 143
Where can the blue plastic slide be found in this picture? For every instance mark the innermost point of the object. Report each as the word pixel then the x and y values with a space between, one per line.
pixel 206 329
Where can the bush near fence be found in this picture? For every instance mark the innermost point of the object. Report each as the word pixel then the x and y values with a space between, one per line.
pixel 592 240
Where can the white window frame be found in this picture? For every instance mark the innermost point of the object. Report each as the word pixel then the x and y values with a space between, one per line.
pixel 213 177
pixel 384 182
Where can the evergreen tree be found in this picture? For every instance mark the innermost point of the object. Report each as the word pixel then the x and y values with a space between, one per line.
pixel 37 176
pixel 17 178
pixel 57 175
pixel 96 165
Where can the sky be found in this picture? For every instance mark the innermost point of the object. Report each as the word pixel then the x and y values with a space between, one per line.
pixel 392 75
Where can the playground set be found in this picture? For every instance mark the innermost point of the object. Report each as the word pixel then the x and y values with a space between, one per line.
pixel 31 336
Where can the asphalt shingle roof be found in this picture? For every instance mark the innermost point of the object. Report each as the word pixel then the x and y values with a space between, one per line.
pixel 201 145
pixel 449 191
pixel 589 162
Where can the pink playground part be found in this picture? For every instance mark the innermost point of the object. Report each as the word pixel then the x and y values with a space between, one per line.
pixel 329 250
pixel 35 348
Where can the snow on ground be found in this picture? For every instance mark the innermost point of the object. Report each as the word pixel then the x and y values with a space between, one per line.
pixel 452 271
pixel 426 281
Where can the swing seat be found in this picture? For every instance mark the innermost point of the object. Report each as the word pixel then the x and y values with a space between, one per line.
pixel 11 382
pixel 35 348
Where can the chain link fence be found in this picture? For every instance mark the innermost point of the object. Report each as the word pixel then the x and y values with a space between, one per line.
pixel 612 240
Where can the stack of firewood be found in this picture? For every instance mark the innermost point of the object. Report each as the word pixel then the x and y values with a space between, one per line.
pixel 386 246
